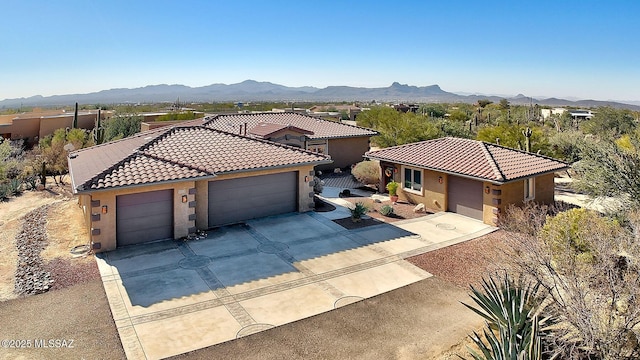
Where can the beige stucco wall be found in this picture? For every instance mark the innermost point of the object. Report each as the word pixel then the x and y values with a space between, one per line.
pixel 346 152
pixel 304 190
pixel 106 225
pixel 433 195
pixel 197 204
pixel 495 198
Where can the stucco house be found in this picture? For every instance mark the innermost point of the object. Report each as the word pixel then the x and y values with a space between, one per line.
pixel 470 177
pixel 346 144
pixel 168 182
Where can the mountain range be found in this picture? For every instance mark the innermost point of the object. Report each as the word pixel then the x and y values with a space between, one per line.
pixel 251 90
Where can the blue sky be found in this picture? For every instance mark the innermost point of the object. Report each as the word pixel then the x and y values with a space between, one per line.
pixel 583 49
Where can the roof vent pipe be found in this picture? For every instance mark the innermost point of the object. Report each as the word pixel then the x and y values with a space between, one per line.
pixel 245 129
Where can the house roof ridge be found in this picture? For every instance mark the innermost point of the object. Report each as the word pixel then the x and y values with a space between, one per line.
pixel 492 161
pixel 108 170
pixel 128 138
pixel 523 152
pixel 178 163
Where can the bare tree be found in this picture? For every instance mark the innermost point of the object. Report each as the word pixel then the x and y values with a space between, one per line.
pixel 589 267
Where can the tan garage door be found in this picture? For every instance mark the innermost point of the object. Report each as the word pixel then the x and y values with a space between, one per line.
pixel 465 197
pixel 144 217
pixel 236 200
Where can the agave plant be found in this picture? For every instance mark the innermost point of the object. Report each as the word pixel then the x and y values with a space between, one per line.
pixel 513 328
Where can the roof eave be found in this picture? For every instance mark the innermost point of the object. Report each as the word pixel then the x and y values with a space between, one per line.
pixel 492 181
pixel 314 163
pixel 113 188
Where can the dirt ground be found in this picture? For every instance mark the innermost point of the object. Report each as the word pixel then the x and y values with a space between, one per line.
pixel 64 228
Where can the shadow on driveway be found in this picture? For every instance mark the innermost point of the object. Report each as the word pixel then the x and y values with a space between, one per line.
pixel 236 254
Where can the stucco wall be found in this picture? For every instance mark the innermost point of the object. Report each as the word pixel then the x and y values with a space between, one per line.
pixel 103 225
pixel 433 195
pixel 346 152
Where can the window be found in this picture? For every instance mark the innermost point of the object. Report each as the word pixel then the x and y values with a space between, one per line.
pixel 319 147
pixel 529 189
pixel 412 180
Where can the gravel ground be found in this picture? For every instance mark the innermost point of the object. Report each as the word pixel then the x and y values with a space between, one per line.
pixel 402 210
pixel 464 264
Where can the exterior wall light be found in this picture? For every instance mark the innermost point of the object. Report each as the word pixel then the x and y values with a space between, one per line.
pixel 440 180
pixel 105 209
pixel 487 190
pixel 185 198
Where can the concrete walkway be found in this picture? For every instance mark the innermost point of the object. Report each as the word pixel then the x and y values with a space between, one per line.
pixel 172 297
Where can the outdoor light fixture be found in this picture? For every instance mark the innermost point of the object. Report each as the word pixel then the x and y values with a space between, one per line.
pixel 306 179
pixel 105 209
pixel 185 198
pixel 487 190
pixel 440 180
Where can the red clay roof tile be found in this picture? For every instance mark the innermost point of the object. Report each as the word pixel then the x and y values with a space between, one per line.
pixel 177 153
pixel 321 129
pixel 472 158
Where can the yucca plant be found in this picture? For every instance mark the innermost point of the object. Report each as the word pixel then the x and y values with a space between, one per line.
pixel 358 211
pixel 513 328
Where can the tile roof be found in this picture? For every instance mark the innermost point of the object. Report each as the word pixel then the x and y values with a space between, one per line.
pixel 178 153
pixel 470 158
pixel 321 129
pixel 264 129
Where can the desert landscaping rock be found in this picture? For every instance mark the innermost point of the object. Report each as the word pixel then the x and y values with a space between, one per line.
pixel 31 275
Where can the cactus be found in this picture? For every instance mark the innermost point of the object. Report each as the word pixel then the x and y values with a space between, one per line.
pixel 98 131
pixel 75 117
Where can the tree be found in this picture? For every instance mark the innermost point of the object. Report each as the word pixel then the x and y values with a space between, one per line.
pixel 608 169
pixel 608 120
pixel 54 149
pixel 504 104
pixel 119 127
pixel 593 298
pixel 510 135
pixel 433 110
pixel 397 128
pixel 484 102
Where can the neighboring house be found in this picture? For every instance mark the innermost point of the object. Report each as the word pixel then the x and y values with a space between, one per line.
pixel 33 126
pixel 581 114
pixel 469 177
pixel 168 182
pixel 346 144
pixel 546 113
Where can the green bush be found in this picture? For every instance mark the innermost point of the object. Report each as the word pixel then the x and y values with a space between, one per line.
pixel 358 211
pixel 367 172
pixel 14 187
pixel 4 192
pixel 386 210
pixel 318 185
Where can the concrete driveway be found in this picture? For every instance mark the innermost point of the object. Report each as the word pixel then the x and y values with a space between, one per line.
pixel 172 297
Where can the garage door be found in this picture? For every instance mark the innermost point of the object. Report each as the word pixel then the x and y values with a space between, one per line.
pixel 236 200
pixel 465 197
pixel 144 217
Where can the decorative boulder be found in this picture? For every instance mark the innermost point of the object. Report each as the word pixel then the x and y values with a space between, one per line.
pixel 419 208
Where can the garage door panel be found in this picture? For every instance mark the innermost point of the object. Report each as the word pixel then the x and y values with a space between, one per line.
pixel 144 217
pixel 465 197
pixel 247 198
pixel 154 209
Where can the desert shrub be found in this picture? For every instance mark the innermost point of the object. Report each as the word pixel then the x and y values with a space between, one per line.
pixel 569 233
pixel 386 210
pixel 367 172
pixel 358 211
pixel 4 192
pixel 14 187
pixel 318 185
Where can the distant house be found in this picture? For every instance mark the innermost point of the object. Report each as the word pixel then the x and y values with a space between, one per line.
pixel 346 144
pixel 581 114
pixel 469 177
pixel 404 108
pixel 33 126
pixel 169 182
pixel 546 113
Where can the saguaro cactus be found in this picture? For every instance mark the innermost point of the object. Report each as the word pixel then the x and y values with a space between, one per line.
pixel 75 117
